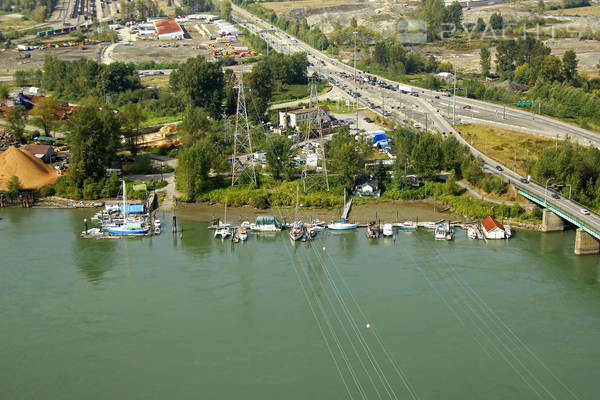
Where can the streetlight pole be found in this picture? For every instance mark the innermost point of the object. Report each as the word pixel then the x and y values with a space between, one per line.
pixel 355 33
pixel 454 105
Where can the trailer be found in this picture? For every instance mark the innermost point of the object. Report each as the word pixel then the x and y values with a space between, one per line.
pixel 405 88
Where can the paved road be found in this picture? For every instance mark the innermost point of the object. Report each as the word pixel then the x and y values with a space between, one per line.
pixel 424 109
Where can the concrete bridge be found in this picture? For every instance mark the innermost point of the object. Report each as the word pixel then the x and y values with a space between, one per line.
pixel 557 211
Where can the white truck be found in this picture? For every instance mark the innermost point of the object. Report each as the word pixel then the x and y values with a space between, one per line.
pixel 405 88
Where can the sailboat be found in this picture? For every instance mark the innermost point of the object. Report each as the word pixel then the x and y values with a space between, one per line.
pixel 126 226
pixel 223 229
pixel 297 229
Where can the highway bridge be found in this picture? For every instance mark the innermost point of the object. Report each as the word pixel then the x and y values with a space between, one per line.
pixel 435 111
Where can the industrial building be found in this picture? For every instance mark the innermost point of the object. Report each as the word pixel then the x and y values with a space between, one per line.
pixel 168 29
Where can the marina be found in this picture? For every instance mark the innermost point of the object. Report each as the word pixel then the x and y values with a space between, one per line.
pixel 209 302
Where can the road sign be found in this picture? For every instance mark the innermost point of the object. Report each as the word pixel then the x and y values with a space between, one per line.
pixel 525 103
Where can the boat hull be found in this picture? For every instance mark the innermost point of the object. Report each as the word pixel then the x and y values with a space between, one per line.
pixel 125 232
pixel 342 227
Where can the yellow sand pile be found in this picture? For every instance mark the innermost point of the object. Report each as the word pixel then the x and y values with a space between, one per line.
pixel 31 171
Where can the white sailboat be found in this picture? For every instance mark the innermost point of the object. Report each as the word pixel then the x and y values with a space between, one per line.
pixel 223 230
pixel 126 226
pixel 297 228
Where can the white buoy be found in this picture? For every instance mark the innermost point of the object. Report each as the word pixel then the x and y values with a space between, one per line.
pixel 368 326
pixel 323 248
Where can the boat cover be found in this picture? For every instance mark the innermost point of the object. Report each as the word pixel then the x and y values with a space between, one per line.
pixel 268 220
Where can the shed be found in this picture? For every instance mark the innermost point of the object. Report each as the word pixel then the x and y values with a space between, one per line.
pixel 42 151
pixel 492 229
pixel 367 187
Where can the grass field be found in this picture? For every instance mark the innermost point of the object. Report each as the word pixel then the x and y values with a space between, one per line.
pixel 155 80
pixel 503 144
pixel 285 6
pixel 589 11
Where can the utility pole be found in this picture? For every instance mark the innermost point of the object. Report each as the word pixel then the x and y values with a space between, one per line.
pixel 504 112
pixel 426 121
pixel 355 33
pixel 242 142
pixel 454 105
pixel 515 165
pixel 317 115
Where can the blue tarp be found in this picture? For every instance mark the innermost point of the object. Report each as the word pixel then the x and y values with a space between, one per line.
pixel 134 208
pixel 378 136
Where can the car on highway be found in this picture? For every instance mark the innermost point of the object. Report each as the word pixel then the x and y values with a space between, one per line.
pixel 555 196
pixel 499 168
pixel 524 180
pixel 467 107
pixel 585 211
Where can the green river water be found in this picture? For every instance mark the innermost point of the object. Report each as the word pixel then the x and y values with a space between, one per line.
pixel 198 318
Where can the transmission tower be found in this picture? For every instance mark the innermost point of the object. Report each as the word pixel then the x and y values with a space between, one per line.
pixel 315 119
pixel 242 143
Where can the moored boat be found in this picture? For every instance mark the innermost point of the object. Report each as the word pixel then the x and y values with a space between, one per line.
pixel 388 230
pixel 373 230
pixel 408 226
pixel 341 225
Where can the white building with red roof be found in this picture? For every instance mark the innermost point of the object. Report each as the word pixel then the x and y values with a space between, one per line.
pixel 168 29
pixel 492 229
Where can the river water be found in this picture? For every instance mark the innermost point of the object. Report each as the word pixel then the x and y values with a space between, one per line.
pixel 342 317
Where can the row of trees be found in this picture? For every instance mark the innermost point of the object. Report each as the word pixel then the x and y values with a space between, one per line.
pixel 140 10
pixel 39 10
pixel 87 77
pixel 575 165
pixel 435 13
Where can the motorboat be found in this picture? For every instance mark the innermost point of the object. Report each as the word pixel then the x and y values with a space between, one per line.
pixel 242 233
pixel 429 225
pixel 440 232
pixel 507 231
pixel 373 230
pixel 297 230
pixel 341 225
pixel 408 226
pixel 224 232
pixel 388 230
pixel 471 233
pixel 311 232
pixel 318 225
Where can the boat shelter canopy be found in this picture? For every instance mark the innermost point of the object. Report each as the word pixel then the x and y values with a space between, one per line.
pixel 134 208
pixel 268 220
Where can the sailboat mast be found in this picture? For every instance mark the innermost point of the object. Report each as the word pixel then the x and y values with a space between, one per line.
pixel 124 200
pixel 297 189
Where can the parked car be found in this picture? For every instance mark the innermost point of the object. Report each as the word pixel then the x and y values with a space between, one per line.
pixel 499 168
pixel 585 211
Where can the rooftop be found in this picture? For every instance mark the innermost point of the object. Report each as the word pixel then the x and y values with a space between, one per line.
pixel 490 223
pixel 167 26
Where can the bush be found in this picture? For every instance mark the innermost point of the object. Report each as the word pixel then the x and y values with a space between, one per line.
pixel 260 202
pixel 141 165
pixel 47 191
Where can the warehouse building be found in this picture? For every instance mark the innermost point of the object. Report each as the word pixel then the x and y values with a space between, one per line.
pixel 168 29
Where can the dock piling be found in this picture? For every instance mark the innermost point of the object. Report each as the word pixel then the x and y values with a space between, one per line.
pixel 174 224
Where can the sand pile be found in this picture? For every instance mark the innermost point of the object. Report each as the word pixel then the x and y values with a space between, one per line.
pixel 31 171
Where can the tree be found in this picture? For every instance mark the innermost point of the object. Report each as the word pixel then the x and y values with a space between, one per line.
pixel 496 21
pixel 194 164
pixel 454 14
pixel 202 82
pixel 541 5
pixel 93 131
pixel 14 185
pixel 353 22
pixel 195 124
pixel 47 111
pixel 569 65
pixel 485 61
pixel 551 69
pixel 16 117
pixel 4 92
pixel 133 116
pixel 346 159
pixel 226 10
pixel 40 13
pixel 480 27
pixel 279 156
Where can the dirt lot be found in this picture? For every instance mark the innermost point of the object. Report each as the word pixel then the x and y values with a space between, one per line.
pixel 286 6
pixel 10 60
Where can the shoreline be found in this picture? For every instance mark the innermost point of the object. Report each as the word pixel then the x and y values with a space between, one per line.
pixel 392 211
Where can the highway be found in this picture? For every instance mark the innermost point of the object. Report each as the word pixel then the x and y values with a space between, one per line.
pixel 435 110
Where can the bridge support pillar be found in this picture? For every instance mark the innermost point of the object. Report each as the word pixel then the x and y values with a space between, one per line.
pixel 586 243
pixel 552 222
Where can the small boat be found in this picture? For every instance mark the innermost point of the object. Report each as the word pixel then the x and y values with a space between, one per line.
pixel 341 225
pixel 157 230
pixel 429 225
pixel 388 230
pixel 242 233
pixel 408 226
pixel 92 232
pixel 440 232
pixel 318 224
pixel 297 230
pixel 224 232
pixel 471 233
pixel 507 231
pixel 311 232
pixel 373 230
